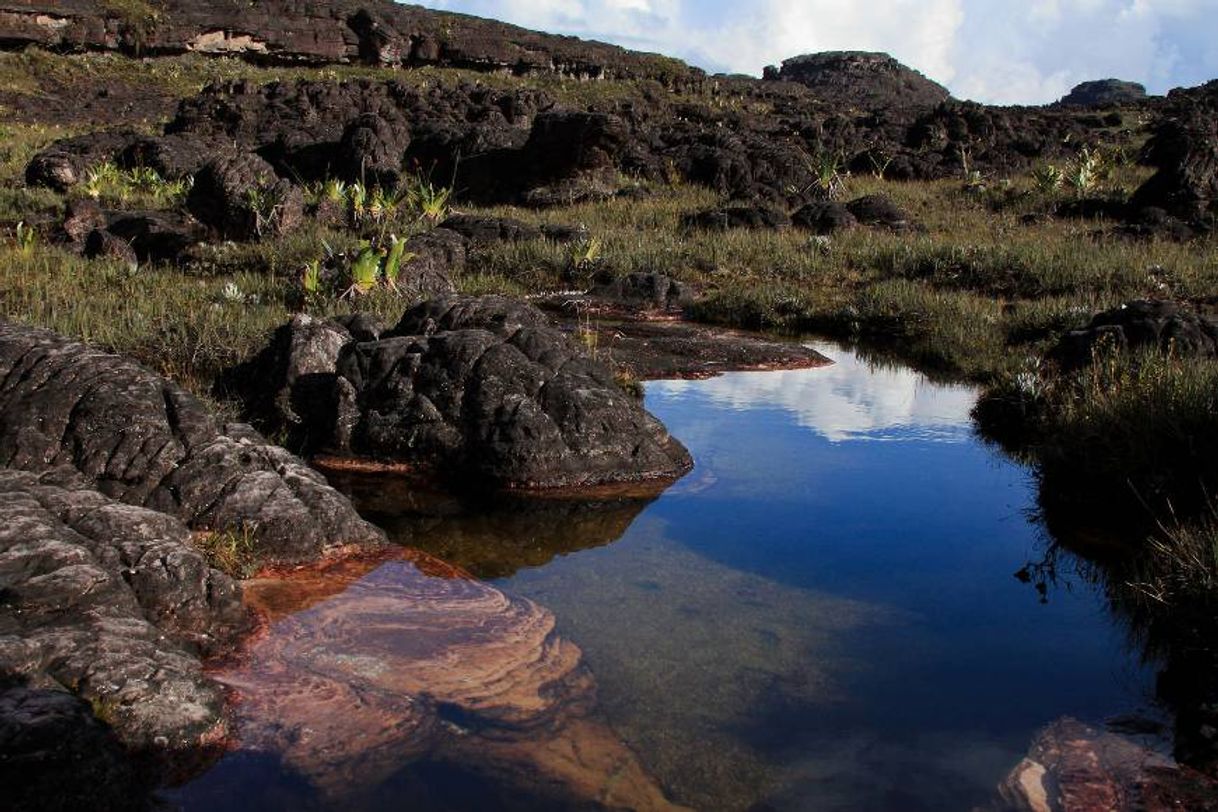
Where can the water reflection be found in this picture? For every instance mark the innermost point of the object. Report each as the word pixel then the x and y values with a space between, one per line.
pixel 851 400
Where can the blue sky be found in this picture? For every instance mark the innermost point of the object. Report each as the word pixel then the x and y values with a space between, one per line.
pixel 998 51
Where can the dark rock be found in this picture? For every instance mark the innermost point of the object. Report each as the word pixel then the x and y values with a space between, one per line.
pixel 646 290
pixel 1161 325
pixel 564 234
pixel 1091 208
pixel 373 149
pixel 1185 150
pixel 67 163
pixel 157 236
pixel 82 216
pixel 55 756
pixel 1105 93
pixel 103 244
pixel 362 326
pixel 241 198
pixel 434 258
pixel 1153 223
pixel 491 229
pixel 173 157
pixel 824 217
pixel 863 80
pixel 143 440
pixel 114 601
pixel 879 210
pixel 739 216
pixel 482 390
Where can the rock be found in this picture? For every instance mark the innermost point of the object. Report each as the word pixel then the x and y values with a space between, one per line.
pixel 867 81
pixel 438 255
pixel 372 151
pixel 484 391
pixel 1138 325
pixel 1076 767
pixel 879 210
pixel 114 601
pixel 82 216
pixel 56 755
pixel 242 199
pixel 642 290
pixel 491 229
pixel 157 236
pixel 1184 147
pixel 413 660
pixel 1105 93
pixel 67 163
pixel 173 157
pixel 1091 208
pixel 143 440
pixel 103 244
pixel 824 217
pixel 738 216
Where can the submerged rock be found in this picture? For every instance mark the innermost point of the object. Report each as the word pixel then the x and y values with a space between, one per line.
pixel 1074 767
pixel 409 659
pixel 482 390
pixel 143 440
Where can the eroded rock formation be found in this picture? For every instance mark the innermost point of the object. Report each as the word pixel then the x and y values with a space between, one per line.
pixel 143 440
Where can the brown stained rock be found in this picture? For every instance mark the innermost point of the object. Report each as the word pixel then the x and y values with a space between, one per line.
pixel 390 652
pixel 1073 767
pixel 145 441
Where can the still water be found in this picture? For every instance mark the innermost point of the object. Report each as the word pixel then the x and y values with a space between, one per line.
pixel 823 615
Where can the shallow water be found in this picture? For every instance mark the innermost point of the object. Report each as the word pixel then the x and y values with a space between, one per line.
pixel 823 615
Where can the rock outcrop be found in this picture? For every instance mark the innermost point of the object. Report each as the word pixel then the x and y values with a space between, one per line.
pixel 286 32
pixel 242 198
pixel 866 81
pixel 1105 93
pixel 482 390
pixel 141 439
pixel 113 603
pixel 1185 150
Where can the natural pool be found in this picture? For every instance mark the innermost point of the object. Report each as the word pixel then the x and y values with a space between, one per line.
pixel 823 615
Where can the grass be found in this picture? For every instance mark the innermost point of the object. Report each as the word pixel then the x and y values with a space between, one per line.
pixel 232 550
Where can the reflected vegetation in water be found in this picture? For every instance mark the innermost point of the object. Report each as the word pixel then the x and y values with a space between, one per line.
pixel 811 620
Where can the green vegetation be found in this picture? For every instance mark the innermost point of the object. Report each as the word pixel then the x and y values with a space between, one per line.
pixel 232 550
pixel 135 188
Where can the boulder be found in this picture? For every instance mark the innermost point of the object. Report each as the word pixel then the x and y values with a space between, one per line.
pixel 115 602
pixel 738 216
pixel 1140 325
pixel 157 236
pixel 435 257
pixel 143 440
pixel 478 229
pixel 373 149
pixel 483 391
pixel 1184 147
pixel 242 199
pixel 81 216
pixel 824 217
pixel 642 290
pixel 104 244
pixel 879 210
pixel 67 162
pixel 173 157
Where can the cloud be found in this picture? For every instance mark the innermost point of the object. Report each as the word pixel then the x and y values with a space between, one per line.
pixel 987 50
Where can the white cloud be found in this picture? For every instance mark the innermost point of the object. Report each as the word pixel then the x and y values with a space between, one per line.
pixel 988 50
pixel 849 400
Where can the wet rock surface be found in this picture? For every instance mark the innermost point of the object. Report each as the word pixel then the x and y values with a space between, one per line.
pixel 1078 768
pixel 1140 325
pixel 113 603
pixel 142 440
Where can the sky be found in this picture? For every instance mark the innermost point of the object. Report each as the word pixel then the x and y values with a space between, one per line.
pixel 995 51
